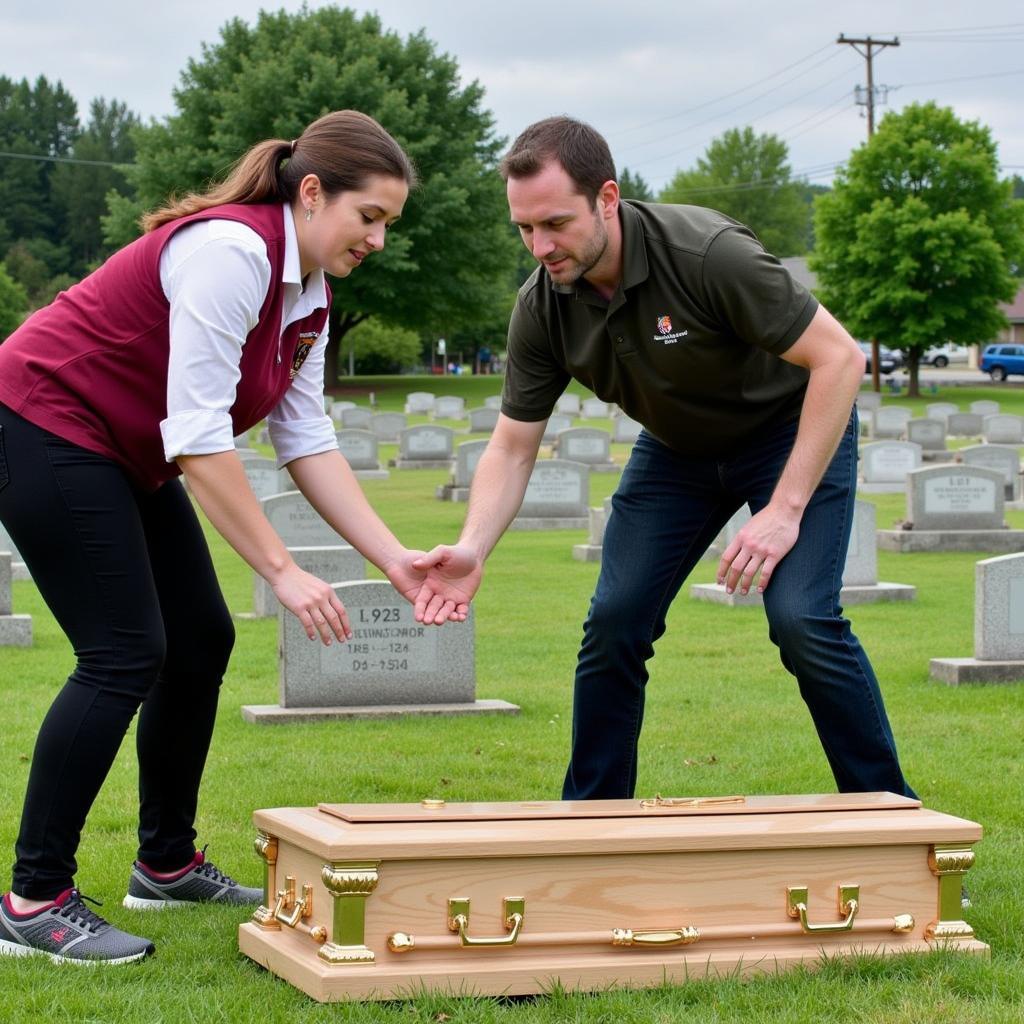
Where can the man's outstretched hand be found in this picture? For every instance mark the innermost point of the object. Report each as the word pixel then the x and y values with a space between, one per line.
pixel 453 575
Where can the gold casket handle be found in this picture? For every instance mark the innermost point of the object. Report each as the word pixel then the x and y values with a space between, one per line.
pixel 796 906
pixel 669 937
pixel 514 912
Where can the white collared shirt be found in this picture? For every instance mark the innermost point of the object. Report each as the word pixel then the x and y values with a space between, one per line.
pixel 216 275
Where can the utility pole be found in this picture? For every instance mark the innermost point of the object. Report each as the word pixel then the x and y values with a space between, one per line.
pixel 870 47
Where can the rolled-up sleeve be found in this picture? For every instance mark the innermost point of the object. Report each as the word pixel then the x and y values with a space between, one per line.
pixel 298 425
pixel 216 285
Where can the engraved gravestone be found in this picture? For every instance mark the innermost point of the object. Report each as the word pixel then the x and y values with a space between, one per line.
pixel 492 402
pixel 450 407
pixel 930 434
pixel 985 407
pixel 940 410
pixel 388 425
pixel 861 568
pixel 595 409
pixel 339 407
pixel 467 455
pixel 867 400
pixel 19 570
pixel 557 497
pixel 356 418
pixel 885 465
pixel 482 420
pixel 1002 457
pixel 297 523
pixel 568 404
pixel 1003 428
pixel 598 521
pixel 391 658
pixel 265 478
pixel 557 422
pixel 360 448
pixel 964 424
pixel 625 430
pixel 331 564
pixel 960 498
pixel 15 630
pixel 890 421
pixel 589 445
pixel 419 403
pixel 425 447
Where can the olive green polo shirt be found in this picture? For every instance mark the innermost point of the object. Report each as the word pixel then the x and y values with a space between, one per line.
pixel 688 345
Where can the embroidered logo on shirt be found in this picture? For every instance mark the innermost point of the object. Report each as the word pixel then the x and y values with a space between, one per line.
pixel 302 349
pixel 665 333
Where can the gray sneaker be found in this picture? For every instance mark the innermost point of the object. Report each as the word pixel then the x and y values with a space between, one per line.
pixel 67 931
pixel 198 882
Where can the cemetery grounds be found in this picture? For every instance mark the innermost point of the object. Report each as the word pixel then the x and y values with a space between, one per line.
pixel 723 717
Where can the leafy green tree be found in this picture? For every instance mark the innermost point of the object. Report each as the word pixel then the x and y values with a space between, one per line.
pixel 448 258
pixel 1018 186
pixel 919 240
pixel 632 186
pixel 747 177
pixel 79 191
pixel 380 347
pixel 13 303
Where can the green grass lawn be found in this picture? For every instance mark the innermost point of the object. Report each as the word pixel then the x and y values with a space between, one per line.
pixel 722 717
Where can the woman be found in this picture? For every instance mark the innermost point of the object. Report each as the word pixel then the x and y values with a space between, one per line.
pixel 147 369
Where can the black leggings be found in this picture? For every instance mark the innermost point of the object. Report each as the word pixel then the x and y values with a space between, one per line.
pixel 129 579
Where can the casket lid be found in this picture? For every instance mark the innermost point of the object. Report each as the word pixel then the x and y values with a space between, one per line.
pixel 658 806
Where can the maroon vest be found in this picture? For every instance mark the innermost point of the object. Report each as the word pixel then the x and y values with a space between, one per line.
pixel 92 366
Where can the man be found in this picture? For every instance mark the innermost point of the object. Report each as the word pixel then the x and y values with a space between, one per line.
pixel 745 387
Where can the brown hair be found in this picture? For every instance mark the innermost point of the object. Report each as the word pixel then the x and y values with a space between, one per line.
pixel 580 149
pixel 342 149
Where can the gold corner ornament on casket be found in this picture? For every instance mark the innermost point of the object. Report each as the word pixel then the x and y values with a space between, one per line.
pixel 384 901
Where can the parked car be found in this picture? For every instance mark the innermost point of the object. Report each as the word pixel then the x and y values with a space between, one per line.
pixel 943 355
pixel 999 361
pixel 888 361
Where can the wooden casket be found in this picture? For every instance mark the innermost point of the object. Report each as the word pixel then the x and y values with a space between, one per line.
pixel 383 901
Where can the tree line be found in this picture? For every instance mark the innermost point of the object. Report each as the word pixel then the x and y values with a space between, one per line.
pixel 72 191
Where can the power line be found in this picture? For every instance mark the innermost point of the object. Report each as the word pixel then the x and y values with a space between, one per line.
pixel 64 160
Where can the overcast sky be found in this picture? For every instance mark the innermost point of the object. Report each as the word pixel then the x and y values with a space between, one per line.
pixel 659 79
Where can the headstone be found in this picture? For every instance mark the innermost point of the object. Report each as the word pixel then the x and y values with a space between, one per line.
pixel 557 422
pixel 425 447
pixel 392 665
pixel 890 421
pixel 450 407
pixel 868 400
pixel 736 522
pixel 940 410
pixel 360 448
pixel 955 498
pixel 964 424
pixel 15 630
pixel 339 407
pixel 242 445
pixel 595 409
pixel 998 627
pixel 589 445
pixel 1002 428
pixel 568 404
pixel 985 407
pixel 357 418
pixel 860 572
pixel 1004 458
pixel 557 497
pixel 467 455
pixel 264 477
pixel 598 521
pixel 928 433
pixel 419 403
pixel 19 570
pixel 492 402
pixel 885 465
pixel 482 420
pixel 332 564
pixel 625 430
pixel 328 403
pixel 297 523
pixel 388 425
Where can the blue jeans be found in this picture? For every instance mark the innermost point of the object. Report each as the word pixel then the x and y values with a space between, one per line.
pixel 667 510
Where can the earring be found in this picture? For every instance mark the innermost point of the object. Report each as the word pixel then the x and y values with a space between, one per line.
pixel 309 214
